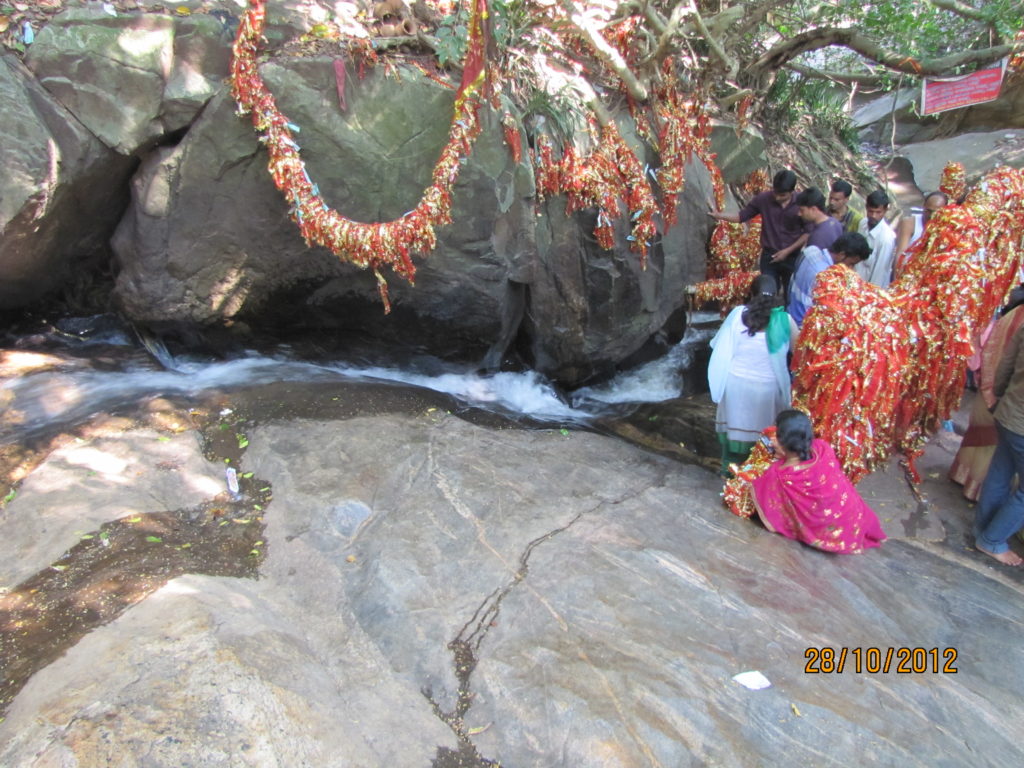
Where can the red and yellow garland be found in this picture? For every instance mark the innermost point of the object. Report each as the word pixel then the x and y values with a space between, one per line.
pixel 879 371
pixel 372 245
pixel 954 181
pixel 610 179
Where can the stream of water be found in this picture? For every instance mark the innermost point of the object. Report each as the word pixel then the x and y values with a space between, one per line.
pixel 100 372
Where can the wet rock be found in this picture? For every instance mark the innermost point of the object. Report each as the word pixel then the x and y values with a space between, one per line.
pixel 546 599
pixel 89 482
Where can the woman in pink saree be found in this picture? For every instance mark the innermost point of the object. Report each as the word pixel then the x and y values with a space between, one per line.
pixel 806 496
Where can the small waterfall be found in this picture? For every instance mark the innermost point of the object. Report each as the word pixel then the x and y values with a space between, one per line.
pixel 68 393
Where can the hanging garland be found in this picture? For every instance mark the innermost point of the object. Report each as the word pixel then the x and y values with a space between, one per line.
pixel 728 292
pixel 366 245
pixel 734 249
pixel 610 179
pixel 850 353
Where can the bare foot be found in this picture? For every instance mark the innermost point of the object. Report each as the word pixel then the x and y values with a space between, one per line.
pixel 1009 557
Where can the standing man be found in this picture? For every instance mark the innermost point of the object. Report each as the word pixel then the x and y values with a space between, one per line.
pixel 783 233
pixel 839 206
pixel 851 249
pixel 911 227
pixel 882 239
pixel 824 230
pixel 1000 511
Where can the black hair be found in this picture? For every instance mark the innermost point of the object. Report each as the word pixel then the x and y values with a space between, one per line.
pixel 811 198
pixel 842 187
pixel 1015 300
pixel 939 194
pixel 763 299
pixel 852 244
pixel 784 181
pixel 794 432
pixel 877 199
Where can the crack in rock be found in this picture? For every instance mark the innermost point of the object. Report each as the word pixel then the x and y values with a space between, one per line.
pixel 464 652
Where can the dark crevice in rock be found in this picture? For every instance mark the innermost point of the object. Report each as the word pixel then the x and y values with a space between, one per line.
pixel 464 650
pixel 173 138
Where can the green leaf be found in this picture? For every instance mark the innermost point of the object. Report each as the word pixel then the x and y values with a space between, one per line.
pixel 155 539
pixel 88 536
pixel 247 475
pixel 134 520
pixel 163 439
pixel 10 496
pixel 242 440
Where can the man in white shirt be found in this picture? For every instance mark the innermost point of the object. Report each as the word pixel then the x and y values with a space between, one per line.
pixel 881 238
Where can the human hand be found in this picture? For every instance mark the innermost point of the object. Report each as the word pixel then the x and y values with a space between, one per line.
pixel 778 256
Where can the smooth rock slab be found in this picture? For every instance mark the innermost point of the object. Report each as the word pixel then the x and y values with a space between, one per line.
pixel 605 599
pixel 89 482
pixel 218 672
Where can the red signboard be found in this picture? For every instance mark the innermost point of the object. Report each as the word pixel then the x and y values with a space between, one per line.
pixel 954 92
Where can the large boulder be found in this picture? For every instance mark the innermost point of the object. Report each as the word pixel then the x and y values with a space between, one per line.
pixel 208 240
pixel 98 90
pixel 61 193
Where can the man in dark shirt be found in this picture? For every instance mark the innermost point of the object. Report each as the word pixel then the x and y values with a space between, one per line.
pixel 839 206
pixel 783 232
pixel 824 229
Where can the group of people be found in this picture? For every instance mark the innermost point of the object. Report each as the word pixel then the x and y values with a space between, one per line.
pixel 991 453
pixel 804 495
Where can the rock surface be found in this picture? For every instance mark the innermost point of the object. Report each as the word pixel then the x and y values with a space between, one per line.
pixel 61 193
pixel 206 241
pixel 535 598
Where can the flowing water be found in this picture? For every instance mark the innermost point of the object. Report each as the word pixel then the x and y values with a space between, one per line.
pixel 60 385
pixel 107 372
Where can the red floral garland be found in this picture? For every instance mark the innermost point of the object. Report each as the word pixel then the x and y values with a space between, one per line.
pixel 954 181
pixel 366 245
pixel 609 178
pixel 728 291
pixel 879 371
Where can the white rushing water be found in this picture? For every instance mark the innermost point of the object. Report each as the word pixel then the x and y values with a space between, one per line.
pixel 75 391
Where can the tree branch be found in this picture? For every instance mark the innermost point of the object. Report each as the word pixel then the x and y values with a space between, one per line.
pixel 965 11
pixel 846 78
pixel 824 37
pixel 605 51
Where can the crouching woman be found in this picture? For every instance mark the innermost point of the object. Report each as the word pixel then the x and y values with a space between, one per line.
pixel 805 495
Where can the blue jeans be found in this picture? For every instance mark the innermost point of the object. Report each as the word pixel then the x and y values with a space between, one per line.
pixel 1000 513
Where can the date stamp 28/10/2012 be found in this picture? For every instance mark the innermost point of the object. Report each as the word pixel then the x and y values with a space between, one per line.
pixel 872 660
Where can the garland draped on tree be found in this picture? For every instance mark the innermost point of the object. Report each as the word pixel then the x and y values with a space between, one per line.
pixel 612 179
pixel 879 371
pixel 366 245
